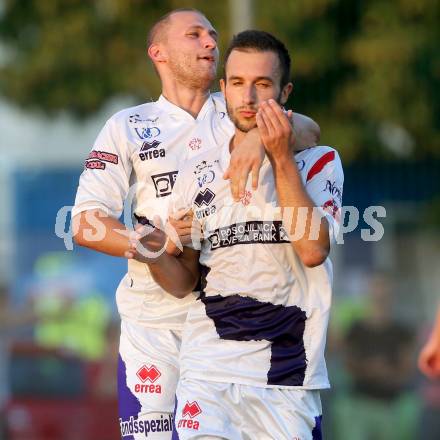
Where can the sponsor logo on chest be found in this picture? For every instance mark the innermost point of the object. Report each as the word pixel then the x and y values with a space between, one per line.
pixel 144 128
pixel 164 182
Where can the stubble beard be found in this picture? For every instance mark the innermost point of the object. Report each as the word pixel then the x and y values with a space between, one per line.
pixel 189 76
pixel 242 126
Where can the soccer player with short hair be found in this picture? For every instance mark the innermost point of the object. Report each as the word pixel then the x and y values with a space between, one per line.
pixel 252 356
pixel 135 159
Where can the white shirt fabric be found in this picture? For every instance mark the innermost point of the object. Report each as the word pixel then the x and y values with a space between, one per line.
pixel 135 160
pixel 262 316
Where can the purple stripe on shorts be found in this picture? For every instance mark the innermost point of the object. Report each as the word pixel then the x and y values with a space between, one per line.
pixel 317 430
pixel 128 403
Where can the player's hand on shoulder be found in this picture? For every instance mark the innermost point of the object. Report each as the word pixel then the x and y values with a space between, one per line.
pixel 246 158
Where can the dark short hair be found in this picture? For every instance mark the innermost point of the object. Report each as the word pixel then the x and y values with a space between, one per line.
pixel 159 27
pixel 260 41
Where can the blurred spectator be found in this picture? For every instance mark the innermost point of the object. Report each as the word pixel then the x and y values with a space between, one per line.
pixel 12 320
pixel 378 358
pixel 74 322
pixel 106 384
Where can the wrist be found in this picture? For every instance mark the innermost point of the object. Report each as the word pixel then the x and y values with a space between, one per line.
pixel 282 161
pixel 159 259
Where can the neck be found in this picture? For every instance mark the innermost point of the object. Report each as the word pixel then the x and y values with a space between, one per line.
pixel 188 99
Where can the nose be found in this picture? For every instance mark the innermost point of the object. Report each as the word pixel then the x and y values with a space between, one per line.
pixel 249 95
pixel 209 42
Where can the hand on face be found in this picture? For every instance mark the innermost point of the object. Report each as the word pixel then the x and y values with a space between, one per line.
pixel 275 129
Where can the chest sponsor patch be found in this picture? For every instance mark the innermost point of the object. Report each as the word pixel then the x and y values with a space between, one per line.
pixel 164 183
pixel 248 233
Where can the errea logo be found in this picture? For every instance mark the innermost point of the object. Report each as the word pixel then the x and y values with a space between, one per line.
pixel 190 411
pixel 148 374
pixel 204 197
pixel 149 150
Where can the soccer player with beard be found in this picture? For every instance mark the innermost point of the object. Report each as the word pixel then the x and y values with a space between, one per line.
pixel 136 158
pixel 252 356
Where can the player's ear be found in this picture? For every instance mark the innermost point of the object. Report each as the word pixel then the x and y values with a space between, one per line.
pixel 157 53
pixel 223 86
pixel 287 89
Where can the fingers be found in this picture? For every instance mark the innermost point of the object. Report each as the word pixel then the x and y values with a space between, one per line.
pixel 238 176
pixel 262 127
pixel 255 176
pixel 242 183
pixel 129 255
pixel 268 118
pixel 274 116
pixel 246 159
pixel 182 214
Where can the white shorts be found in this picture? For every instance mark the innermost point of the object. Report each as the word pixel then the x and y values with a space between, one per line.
pixel 215 410
pixel 147 379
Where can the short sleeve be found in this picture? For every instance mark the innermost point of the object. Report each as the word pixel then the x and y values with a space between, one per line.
pixel 324 184
pixel 104 183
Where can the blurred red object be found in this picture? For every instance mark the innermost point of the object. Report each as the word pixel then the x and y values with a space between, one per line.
pixel 56 396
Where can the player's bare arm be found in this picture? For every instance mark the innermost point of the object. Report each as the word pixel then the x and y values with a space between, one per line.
pixel 96 230
pixel 276 134
pixel 178 275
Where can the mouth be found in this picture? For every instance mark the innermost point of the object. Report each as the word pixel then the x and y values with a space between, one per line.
pixel 208 58
pixel 248 113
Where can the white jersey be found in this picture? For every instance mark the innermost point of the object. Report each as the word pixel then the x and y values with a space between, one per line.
pixel 262 315
pixel 135 160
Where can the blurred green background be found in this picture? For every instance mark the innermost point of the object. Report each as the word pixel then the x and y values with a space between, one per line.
pixel 367 71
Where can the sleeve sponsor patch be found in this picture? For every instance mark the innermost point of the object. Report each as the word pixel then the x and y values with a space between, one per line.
pixel 94 165
pixel 96 159
pixel 104 156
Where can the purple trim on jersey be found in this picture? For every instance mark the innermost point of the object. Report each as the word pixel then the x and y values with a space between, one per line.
pixel 175 434
pixel 239 318
pixel 128 403
pixel 317 430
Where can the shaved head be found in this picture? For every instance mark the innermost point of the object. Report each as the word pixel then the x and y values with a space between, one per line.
pixel 158 32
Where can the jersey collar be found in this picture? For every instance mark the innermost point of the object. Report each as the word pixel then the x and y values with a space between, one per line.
pixel 175 110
